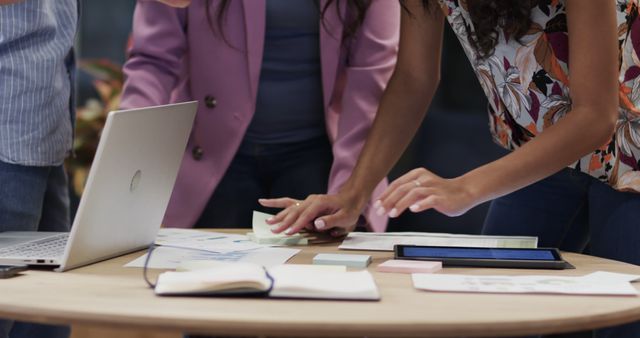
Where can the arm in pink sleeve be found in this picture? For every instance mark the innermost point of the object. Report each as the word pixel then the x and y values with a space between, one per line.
pixel 156 55
pixel 372 58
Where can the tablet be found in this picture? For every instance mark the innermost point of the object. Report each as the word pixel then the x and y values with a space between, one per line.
pixel 538 258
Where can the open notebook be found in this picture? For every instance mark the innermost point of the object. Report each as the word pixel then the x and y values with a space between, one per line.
pixel 282 281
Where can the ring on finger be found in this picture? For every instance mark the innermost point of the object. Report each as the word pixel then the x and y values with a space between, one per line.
pixel 297 204
pixel 417 183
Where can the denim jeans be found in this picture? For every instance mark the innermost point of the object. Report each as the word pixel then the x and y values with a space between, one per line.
pixel 267 171
pixel 33 199
pixel 575 212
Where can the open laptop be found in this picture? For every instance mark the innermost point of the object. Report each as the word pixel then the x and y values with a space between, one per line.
pixel 126 194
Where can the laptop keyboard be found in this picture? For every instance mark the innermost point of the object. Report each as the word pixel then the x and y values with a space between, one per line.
pixel 49 247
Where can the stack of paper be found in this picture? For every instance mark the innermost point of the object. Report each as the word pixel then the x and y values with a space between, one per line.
pixel 262 233
pixel 386 241
pixel 597 283
pixel 408 266
pixel 179 245
pixel 205 240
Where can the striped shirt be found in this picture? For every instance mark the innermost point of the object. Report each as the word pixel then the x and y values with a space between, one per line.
pixel 36 36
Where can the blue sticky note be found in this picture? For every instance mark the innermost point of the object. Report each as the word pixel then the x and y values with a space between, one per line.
pixel 354 261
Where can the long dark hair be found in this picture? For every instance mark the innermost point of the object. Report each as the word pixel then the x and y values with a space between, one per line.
pixel 351 24
pixel 489 16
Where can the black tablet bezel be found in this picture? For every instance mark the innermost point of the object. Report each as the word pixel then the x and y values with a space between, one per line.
pixel 558 263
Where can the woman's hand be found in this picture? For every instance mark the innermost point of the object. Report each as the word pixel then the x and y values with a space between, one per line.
pixel 401 110
pixel 420 190
pixel 337 214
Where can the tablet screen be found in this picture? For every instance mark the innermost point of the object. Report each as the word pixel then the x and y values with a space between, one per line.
pixel 479 253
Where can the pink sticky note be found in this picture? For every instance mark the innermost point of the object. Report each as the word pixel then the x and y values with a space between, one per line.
pixel 408 266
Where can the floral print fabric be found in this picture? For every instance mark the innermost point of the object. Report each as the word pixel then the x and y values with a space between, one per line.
pixel 527 84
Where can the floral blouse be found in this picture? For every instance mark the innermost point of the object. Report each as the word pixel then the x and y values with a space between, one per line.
pixel 527 84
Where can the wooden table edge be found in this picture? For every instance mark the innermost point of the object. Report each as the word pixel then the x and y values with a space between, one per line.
pixel 302 329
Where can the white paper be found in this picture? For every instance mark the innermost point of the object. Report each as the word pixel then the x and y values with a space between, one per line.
pixel 584 285
pixel 213 279
pixel 259 224
pixel 171 258
pixel 291 281
pixel 262 233
pixel 386 241
pixel 205 240
pixel 605 276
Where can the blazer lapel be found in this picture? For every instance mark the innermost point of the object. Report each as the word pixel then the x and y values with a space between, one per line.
pixel 330 43
pixel 254 20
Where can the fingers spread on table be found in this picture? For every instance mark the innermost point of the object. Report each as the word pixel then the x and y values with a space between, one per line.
pixel 337 223
pixel 408 177
pixel 414 185
pixel 313 206
pixel 430 202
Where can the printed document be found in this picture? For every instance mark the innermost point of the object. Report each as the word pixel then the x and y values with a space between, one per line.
pixel 598 283
pixel 205 240
pixel 170 257
pixel 180 245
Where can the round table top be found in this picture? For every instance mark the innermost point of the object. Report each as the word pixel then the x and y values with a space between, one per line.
pixel 108 294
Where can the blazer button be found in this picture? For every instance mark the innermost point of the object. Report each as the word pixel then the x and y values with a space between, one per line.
pixel 210 101
pixel 197 153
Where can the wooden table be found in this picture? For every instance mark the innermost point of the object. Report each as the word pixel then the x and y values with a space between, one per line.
pixel 107 295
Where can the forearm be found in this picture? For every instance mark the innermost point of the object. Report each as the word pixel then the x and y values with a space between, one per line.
pixel 400 112
pixel 557 147
pixel 588 126
pixel 405 100
pixel 156 57
pixel 402 109
pixel 372 58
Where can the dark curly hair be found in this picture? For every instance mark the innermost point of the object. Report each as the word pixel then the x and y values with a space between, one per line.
pixel 489 16
pixel 351 24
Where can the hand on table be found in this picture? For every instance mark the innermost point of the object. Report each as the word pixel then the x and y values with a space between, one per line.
pixel 337 214
pixel 420 190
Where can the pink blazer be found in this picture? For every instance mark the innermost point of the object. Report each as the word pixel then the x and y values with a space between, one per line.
pixel 176 57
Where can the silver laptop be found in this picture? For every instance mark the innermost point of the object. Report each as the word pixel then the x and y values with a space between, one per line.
pixel 126 194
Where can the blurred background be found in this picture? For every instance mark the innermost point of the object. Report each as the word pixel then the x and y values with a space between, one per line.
pixel 453 139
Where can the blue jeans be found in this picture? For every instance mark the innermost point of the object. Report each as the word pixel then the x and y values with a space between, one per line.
pixel 575 212
pixel 267 171
pixel 33 199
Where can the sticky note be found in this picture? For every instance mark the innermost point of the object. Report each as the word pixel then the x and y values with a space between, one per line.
pixel 262 233
pixel 409 266
pixel 354 261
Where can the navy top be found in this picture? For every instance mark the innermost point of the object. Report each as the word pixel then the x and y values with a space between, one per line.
pixel 289 105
